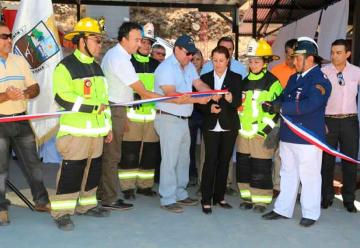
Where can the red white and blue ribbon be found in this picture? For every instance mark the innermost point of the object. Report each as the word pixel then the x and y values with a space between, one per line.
pixel 125 104
pixel 164 98
pixel 32 116
pixel 310 137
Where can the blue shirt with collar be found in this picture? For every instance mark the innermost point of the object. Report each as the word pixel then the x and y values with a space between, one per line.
pixel 304 100
pixel 170 72
pixel 235 66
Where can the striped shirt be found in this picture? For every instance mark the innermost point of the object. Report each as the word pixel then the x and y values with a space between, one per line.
pixel 14 71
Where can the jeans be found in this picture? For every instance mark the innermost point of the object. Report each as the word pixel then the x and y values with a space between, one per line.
pixel 21 138
pixel 174 169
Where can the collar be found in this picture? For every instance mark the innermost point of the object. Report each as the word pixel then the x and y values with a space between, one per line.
pixel 347 65
pixel 307 71
pixel 257 76
pixel 83 57
pixel 141 58
pixel 174 60
pixel 123 51
pixel 222 76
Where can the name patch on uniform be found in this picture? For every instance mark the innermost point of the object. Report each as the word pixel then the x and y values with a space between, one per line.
pixel 320 88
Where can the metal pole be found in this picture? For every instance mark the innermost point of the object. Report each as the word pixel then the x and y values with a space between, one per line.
pixel 20 195
pixel 78 10
pixel 254 24
pixel 235 27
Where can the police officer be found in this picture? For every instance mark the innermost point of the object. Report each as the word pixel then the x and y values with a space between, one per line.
pixel 80 86
pixel 303 100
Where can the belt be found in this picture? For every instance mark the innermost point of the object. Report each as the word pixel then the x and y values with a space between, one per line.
pixel 12 115
pixel 341 116
pixel 158 111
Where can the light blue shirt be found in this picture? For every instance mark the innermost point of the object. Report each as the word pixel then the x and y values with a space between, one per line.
pixel 235 66
pixel 170 72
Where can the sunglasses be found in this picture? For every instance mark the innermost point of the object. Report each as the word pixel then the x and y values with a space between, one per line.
pixel 187 53
pixel 162 54
pixel 340 78
pixel 5 36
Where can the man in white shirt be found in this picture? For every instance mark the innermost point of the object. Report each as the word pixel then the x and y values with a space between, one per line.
pixel 123 81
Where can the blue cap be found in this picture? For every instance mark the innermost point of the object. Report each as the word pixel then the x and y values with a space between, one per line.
pixel 186 42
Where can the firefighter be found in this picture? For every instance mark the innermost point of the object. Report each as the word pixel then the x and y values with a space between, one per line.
pixel 140 153
pixel 254 160
pixel 80 86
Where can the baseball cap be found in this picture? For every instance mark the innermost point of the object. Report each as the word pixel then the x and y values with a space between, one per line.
pixel 186 42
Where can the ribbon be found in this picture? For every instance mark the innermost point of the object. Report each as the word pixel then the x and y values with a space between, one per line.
pixel 125 104
pixel 310 137
pixel 164 98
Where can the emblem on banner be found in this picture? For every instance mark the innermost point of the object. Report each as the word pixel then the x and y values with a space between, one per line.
pixel 37 46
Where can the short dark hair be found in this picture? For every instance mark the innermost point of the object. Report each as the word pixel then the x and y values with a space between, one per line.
pixel 158 46
pixel 227 39
pixel 125 29
pixel 342 42
pixel 290 44
pixel 221 49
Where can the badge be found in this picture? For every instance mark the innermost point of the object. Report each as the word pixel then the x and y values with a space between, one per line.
pixel 87 88
pixel 320 88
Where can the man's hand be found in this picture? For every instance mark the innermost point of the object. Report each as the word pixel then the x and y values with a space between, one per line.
pixel 101 108
pixel 14 94
pixel 182 99
pixel 109 137
pixel 271 107
pixel 228 97
pixel 215 108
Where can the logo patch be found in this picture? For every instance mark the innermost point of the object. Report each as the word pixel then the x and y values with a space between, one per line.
pixel 37 46
pixel 320 88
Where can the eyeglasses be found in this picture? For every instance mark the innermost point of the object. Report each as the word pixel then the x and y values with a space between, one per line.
pixel 5 36
pixel 98 41
pixel 160 53
pixel 341 79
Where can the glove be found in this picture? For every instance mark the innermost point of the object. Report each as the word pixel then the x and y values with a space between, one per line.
pixel 136 98
pixel 272 139
pixel 271 107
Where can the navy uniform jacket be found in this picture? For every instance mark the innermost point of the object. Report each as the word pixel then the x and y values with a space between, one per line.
pixel 304 101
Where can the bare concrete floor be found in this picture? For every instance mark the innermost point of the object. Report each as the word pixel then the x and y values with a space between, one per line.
pixel 148 226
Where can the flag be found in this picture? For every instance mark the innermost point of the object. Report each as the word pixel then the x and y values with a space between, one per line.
pixel 35 37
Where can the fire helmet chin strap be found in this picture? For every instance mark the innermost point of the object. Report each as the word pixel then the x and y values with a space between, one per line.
pixel 87 48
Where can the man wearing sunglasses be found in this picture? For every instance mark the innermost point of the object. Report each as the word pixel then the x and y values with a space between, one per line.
pixel 341 118
pixel 79 85
pixel 176 75
pixel 158 52
pixel 17 86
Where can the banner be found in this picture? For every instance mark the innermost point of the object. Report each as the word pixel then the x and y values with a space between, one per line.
pixel 35 37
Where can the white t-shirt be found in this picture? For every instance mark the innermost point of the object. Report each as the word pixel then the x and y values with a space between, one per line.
pixel 119 73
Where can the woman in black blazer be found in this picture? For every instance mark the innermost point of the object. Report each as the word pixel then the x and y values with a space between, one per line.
pixel 220 128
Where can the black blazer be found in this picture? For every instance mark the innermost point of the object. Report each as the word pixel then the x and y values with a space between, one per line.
pixel 228 116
